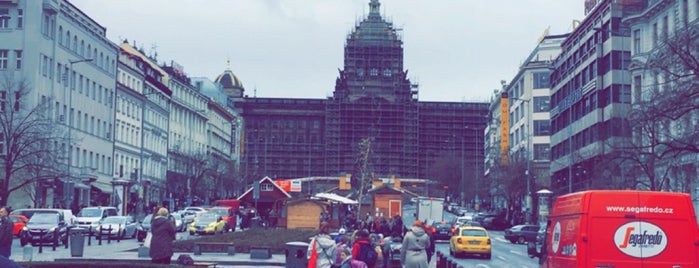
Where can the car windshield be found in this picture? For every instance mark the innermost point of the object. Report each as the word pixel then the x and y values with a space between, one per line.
pixel 207 218
pixel 219 212
pixel 90 212
pixel 472 232
pixel 41 218
pixel 113 220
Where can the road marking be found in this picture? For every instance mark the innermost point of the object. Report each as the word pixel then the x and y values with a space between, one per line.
pixel 482 266
pixel 501 257
pixel 502 240
pixel 518 253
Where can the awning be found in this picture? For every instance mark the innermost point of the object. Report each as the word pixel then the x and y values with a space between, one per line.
pixel 337 198
pixel 107 189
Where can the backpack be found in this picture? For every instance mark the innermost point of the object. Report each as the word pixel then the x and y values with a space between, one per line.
pixel 368 254
pixel 357 264
pixel 185 259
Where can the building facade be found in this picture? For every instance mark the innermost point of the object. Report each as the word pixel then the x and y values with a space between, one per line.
pixel 148 105
pixel 664 24
pixel 590 98
pixel 69 62
pixel 373 99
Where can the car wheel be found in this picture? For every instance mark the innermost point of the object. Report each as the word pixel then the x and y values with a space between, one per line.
pixel 22 242
pixel 513 241
pixel 451 252
pixel 191 233
pixel 487 256
pixel 521 240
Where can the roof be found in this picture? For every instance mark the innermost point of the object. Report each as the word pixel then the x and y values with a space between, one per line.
pixel 336 198
pixel 261 181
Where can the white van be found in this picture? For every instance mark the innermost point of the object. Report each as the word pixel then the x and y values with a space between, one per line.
pixel 89 217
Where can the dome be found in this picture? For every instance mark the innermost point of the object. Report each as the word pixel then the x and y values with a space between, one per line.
pixel 230 84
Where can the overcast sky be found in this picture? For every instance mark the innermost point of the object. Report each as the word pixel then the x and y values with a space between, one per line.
pixel 456 50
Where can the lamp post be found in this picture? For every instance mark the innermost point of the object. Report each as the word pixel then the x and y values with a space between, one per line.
pixel 70 80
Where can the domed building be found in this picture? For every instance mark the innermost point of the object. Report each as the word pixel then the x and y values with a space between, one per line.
pixel 230 84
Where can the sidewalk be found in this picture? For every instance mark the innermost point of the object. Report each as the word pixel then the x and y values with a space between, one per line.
pixel 126 251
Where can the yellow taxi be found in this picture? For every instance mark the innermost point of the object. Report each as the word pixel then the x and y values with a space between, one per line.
pixel 207 223
pixel 470 240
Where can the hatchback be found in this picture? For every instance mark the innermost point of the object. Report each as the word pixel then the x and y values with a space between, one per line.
pixel 470 240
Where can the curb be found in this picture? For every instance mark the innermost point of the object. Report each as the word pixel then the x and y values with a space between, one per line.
pixel 174 261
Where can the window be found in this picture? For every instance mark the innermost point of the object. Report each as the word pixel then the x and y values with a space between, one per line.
pixel 387 72
pixel 374 72
pixel 45 20
pixel 18 59
pixel 655 34
pixel 2 144
pixel 20 18
pixel 44 65
pixel 541 104
pixel 266 187
pixel 4 18
pixel 636 41
pixel 541 80
pixel 3 59
pixel 542 127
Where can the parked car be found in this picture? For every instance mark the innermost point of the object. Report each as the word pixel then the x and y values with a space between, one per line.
pixel 90 217
pixel 470 240
pixel 189 213
pixel 480 217
pixel 143 228
pixel 207 223
pixel 521 234
pixel 442 231
pixel 495 223
pixel 121 227
pixel 45 228
pixel 19 222
pixel 180 226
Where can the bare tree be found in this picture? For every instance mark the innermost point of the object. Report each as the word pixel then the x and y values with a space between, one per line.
pixel 663 120
pixel 365 181
pixel 30 149
pixel 191 170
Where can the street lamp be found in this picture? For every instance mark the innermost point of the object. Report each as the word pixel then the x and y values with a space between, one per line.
pixel 69 79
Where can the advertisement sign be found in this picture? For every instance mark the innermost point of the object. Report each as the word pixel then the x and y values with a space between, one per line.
pixel 295 186
pixel 284 184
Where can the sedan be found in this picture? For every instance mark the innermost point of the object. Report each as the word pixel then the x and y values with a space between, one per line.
pixel 19 222
pixel 522 234
pixel 207 223
pixel 180 225
pixel 470 240
pixel 121 227
pixel 442 231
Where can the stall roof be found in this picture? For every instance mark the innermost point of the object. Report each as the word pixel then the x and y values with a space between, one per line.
pixel 337 198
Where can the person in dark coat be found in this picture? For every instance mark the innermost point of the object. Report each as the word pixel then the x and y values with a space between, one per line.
pixel 6 227
pixel 163 234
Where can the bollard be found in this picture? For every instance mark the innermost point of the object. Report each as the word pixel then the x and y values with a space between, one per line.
pixel 109 234
pixel 89 235
pixel 440 259
pixel 41 237
pixel 55 239
pixel 67 233
pixel 99 237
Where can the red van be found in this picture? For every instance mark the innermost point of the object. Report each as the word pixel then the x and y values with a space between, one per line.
pixel 620 229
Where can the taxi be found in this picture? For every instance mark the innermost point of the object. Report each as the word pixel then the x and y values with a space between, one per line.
pixel 470 240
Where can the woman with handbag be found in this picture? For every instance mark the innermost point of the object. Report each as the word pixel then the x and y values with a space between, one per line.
pixel 321 250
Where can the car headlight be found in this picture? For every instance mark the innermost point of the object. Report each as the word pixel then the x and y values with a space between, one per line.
pixel 53 229
pixel 98 228
pixel 25 228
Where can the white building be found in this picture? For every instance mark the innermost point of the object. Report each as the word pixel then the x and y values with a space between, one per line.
pixel 187 133
pixel 68 61
pixel 659 21
pixel 529 123
pixel 142 112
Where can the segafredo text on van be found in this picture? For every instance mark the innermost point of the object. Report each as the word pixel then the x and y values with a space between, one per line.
pixel 621 229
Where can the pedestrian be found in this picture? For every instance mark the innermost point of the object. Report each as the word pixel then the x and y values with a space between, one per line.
pixel 386 248
pixel 415 243
pixel 324 247
pixel 6 227
pixel 363 249
pixel 346 257
pixel 163 230
pixel 340 246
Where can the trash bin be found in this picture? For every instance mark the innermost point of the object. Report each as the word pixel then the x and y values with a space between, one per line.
pixel 296 254
pixel 77 241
